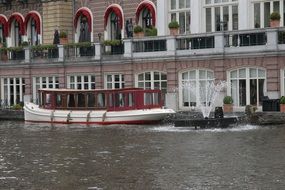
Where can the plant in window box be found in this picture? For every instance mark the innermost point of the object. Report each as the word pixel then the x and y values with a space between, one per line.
pixel 282 104
pixel 275 19
pixel 25 44
pixel 152 31
pixel 138 32
pixel 63 37
pixel 173 27
pixel 228 104
pixel 112 42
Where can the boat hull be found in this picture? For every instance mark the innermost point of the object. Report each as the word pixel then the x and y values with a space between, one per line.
pixel 147 116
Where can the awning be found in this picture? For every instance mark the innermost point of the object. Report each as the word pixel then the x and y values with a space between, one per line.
pixel 4 22
pixel 85 13
pixel 19 19
pixel 117 11
pixel 146 5
pixel 37 21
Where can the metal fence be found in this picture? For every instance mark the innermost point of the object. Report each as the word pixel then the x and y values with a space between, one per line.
pixel 149 46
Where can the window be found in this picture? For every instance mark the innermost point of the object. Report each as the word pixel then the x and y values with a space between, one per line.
pixel 262 11
pixel 113 81
pixel 194 87
pixel 12 91
pixel 225 13
pixel 180 12
pixel 17 36
pixel 115 28
pixel 247 86
pixel 86 82
pixel 146 18
pixel 43 82
pixel 152 80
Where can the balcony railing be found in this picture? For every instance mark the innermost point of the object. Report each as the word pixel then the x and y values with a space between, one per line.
pixel 195 43
pixel 83 49
pixel 117 49
pixel 227 42
pixel 44 52
pixel 149 45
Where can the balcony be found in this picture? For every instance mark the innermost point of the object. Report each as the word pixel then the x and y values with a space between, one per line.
pixel 227 43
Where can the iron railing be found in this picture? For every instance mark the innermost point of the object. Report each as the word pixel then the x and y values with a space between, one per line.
pixel 195 43
pixel 150 45
pixel 113 49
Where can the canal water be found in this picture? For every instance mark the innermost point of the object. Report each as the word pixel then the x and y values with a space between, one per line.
pixel 60 157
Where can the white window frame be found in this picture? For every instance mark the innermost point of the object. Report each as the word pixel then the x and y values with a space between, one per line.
pixel 82 83
pixel 197 81
pixel 281 10
pixel 121 81
pixel 213 5
pixel 152 80
pixel 180 10
pixel 37 86
pixel 21 87
pixel 247 78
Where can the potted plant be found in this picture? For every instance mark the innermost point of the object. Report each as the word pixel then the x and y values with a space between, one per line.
pixel 275 19
pixel 228 104
pixel 138 31
pixel 282 104
pixel 63 37
pixel 173 27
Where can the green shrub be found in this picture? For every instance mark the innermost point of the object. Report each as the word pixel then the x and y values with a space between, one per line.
pixel 24 43
pixel 275 16
pixel 112 42
pixel 138 29
pixel 17 107
pixel 228 100
pixel 282 100
pixel 151 31
pixel 173 24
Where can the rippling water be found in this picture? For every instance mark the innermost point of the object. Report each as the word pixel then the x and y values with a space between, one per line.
pixel 140 157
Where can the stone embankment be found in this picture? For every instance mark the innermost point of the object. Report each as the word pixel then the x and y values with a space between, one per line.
pixel 8 114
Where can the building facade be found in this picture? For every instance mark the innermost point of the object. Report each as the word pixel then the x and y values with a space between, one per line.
pixel 229 40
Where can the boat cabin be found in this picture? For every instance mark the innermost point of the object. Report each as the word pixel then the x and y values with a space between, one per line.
pixel 110 100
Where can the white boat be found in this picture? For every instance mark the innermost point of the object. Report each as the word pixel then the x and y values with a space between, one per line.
pixel 118 106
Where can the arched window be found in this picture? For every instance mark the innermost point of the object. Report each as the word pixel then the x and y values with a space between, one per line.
pixel 146 14
pixel 193 85
pixel 83 25
pixel 33 25
pixel 17 29
pixel 113 21
pixel 115 28
pixel 3 29
pixel 146 18
pixel 247 86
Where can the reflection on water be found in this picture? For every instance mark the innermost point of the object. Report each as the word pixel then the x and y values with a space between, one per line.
pixel 65 157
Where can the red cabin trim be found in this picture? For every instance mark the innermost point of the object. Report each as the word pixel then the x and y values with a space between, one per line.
pixel 150 7
pixel 4 22
pixel 37 19
pixel 117 11
pixel 115 100
pixel 86 13
pixel 20 19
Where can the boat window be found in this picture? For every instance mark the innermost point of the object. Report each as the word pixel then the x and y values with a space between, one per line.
pixel 58 100
pixel 91 100
pixel 131 100
pixel 48 100
pixel 81 100
pixel 101 100
pixel 111 101
pixel 148 99
pixel 120 99
pixel 156 98
pixel 71 100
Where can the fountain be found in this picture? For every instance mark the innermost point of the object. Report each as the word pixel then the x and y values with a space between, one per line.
pixel 206 97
